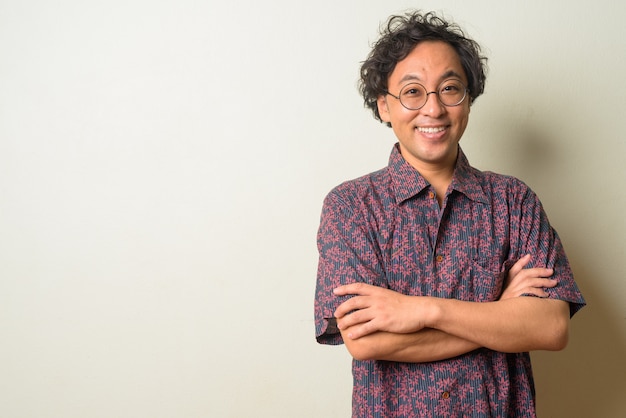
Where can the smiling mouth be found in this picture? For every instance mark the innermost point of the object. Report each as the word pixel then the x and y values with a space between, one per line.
pixel 433 130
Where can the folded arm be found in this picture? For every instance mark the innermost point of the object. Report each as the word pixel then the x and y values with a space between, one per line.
pixel 512 325
pixel 382 324
pixel 417 347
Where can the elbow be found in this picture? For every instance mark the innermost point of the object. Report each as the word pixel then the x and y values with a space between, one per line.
pixel 361 349
pixel 561 337
pixel 358 350
pixel 362 356
pixel 556 334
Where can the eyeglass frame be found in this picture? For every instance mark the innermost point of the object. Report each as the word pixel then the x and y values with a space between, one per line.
pixel 465 92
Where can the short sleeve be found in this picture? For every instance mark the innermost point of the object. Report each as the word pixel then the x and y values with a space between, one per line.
pixel 538 238
pixel 347 254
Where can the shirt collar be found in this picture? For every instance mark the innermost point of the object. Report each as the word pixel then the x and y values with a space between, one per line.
pixel 408 182
pixel 466 180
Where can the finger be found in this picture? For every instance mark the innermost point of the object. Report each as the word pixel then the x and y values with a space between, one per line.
pixel 352 289
pixel 355 303
pixel 535 291
pixel 537 272
pixel 537 283
pixel 361 330
pixel 352 304
pixel 532 274
pixel 355 318
pixel 548 283
pixel 534 286
pixel 519 265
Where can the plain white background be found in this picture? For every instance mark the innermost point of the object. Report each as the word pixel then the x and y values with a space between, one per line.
pixel 162 169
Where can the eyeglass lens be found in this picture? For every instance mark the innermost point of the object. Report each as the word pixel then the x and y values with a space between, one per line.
pixel 415 96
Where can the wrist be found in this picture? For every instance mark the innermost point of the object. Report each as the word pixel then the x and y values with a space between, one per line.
pixel 433 311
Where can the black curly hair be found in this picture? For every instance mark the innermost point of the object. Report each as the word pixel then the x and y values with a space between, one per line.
pixel 399 37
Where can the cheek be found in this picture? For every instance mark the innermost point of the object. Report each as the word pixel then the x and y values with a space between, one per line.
pixel 402 115
pixel 463 116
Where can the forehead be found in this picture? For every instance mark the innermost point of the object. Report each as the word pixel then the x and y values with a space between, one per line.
pixel 429 62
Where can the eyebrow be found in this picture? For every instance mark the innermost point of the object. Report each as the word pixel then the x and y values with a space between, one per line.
pixel 447 74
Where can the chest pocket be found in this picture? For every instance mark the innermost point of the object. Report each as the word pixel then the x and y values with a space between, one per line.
pixel 478 250
pixel 490 248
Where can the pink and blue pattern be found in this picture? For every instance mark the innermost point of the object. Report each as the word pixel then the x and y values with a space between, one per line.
pixel 387 229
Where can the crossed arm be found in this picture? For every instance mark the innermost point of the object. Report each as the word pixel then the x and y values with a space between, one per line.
pixel 380 324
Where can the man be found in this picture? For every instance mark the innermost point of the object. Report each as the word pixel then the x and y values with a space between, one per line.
pixel 439 278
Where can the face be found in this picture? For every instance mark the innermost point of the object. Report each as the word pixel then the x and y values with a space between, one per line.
pixel 429 136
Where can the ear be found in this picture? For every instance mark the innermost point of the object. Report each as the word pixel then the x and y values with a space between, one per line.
pixel 383 108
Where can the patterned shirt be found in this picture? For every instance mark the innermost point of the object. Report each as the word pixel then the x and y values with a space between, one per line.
pixel 387 229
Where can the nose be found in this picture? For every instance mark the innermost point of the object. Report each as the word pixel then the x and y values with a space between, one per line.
pixel 433 106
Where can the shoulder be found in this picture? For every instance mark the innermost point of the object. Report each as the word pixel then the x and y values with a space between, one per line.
pixel 509 198
pixel 502 185
pixel 488 186
pixel 362 190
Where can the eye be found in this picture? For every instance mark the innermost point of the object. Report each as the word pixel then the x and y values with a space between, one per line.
pixel 413 91
pixel 451 88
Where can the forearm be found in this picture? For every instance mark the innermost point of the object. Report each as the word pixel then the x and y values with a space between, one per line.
pixel 418 347
pixel 513 325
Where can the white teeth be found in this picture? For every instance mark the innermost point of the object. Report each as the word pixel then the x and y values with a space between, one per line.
pixel 431 130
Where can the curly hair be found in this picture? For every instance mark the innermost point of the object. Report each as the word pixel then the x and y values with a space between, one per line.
pixel 400 36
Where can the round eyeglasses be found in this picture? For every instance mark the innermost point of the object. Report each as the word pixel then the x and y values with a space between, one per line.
pixel 414 96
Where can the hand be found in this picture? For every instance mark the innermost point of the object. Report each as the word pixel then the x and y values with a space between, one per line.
pixel 521 281
pixel 374 308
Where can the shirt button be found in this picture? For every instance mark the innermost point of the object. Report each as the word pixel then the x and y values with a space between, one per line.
pixel 431 195
pixel 439 258
pixel 445 395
